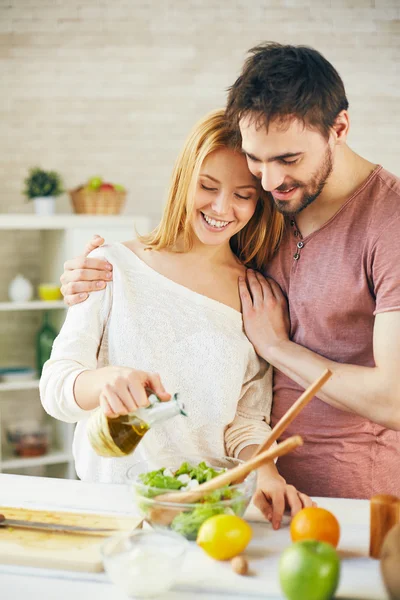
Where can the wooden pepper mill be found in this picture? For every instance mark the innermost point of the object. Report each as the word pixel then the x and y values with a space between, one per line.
pixel 384 514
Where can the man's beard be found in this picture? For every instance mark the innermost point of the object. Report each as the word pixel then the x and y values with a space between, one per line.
pixel 311 190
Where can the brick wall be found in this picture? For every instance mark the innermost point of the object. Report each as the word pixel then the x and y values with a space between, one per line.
pixel 111 87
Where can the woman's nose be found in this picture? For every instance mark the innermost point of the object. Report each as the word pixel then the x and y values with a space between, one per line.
pixel 221 203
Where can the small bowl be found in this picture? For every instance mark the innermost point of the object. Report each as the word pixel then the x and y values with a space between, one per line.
pixel 28 438
pixel 49 292
pixel 187 517
pixel 144 563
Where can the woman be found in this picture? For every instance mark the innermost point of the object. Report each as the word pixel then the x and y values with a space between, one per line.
pixel 174 308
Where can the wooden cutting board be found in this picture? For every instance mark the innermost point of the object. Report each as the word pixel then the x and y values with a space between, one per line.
pixel 54 550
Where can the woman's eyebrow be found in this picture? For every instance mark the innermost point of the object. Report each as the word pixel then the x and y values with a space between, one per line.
pixel 238 187
pixel 209 177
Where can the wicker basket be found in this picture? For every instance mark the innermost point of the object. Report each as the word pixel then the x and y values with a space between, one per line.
pixel 97 202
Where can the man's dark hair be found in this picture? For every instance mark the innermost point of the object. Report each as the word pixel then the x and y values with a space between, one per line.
pixel 280 81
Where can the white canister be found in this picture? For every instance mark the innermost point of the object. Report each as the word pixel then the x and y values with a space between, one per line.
pixel 20 289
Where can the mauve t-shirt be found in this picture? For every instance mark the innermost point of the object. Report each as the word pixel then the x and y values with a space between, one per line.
pixel 336 280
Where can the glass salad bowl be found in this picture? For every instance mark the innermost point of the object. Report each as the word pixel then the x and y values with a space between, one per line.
pixel 150 478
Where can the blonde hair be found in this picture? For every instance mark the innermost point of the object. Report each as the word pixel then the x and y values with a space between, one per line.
pixel 256 243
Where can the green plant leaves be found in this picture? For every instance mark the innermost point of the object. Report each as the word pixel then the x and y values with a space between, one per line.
pixel 41 183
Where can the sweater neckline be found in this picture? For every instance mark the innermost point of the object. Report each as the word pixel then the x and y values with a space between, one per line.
pixel 196 297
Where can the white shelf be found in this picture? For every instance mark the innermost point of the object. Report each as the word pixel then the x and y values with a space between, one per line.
pixel 70 221
pixel 10 386
pixel 32 305
pixel 62 236
pixel 52 458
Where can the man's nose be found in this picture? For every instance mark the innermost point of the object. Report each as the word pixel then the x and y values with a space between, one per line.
pixel 221 203
pixel 271 177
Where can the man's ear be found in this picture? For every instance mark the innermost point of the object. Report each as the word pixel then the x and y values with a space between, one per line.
pixel 341 127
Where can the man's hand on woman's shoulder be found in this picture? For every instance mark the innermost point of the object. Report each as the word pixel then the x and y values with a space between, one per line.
pixel 83 275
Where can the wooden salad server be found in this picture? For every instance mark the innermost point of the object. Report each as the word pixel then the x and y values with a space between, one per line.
pixel 163 515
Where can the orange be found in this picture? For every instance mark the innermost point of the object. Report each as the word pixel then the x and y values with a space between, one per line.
pixel 314 523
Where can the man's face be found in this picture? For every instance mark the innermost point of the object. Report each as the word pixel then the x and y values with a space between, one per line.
pixel 291 161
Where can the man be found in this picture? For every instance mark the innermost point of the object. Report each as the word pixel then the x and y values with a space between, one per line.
pixel 338 267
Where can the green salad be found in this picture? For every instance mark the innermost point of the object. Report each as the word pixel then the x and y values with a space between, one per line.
pixel 225 500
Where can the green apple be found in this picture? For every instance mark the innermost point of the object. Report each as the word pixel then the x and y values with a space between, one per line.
pixel 94 183
pixel 309 570
pixel 119 187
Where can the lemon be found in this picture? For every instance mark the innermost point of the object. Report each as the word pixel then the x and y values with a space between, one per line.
pixel 224 536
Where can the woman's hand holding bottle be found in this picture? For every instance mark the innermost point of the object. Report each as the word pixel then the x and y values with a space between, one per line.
pixel 127 389
pixel 118 390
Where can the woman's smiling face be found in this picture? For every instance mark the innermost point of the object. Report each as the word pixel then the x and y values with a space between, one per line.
pixel 225 198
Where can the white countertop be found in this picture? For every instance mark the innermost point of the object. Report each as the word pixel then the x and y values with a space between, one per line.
pixel 211 580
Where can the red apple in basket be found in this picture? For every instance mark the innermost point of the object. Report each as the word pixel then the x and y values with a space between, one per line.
pixel 106 187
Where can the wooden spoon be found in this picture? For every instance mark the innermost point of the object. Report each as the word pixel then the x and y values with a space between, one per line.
pixel 163 515
pixel 293 411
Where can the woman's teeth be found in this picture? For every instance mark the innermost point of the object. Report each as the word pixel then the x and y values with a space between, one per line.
pixel 214 223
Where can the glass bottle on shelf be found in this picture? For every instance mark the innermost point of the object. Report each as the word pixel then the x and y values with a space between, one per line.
pixel 44 342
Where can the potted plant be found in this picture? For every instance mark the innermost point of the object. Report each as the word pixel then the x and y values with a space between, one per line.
pixel 42 187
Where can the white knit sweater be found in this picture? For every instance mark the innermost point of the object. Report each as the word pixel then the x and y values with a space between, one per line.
pixel 146 321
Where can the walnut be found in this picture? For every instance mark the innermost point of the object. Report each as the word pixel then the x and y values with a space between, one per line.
pixel 240 565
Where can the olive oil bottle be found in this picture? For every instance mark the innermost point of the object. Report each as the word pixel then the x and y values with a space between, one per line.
pixel 120 436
